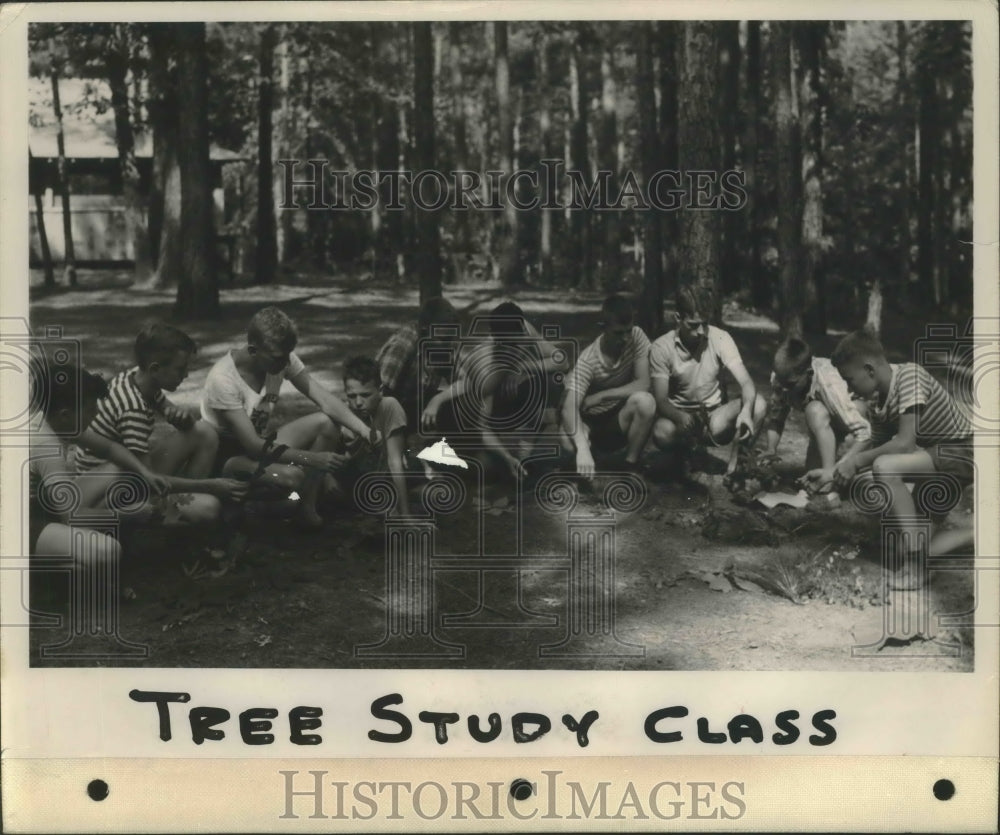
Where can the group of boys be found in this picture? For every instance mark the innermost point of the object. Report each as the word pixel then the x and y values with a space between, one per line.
pixel 622 393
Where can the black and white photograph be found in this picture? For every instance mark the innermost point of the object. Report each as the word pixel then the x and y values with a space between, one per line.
pixel 527 344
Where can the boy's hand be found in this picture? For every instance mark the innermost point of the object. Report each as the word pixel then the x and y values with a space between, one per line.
pixel 585 464
pixel 516 468
pixel 685 423
pixel 818 480
pixel 374 437
pixel 229 488
pixel 844 471
pixel 158 484
pixel 591 400
pixel 331 461
pixel 744 426
pixel 510 384
pixel 429 416
pixel 180 418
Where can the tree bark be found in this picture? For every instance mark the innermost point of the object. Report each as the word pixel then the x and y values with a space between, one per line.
pixel 197 288
pixel 580 242
pixel 69 253
pixel 928 139
pixel 285 129
pixel 118 60
pixel 165 192
pixel 266 266
pixel 651 311
pixel 760 288
pixel 905 180
pixel 788 173
pixel 607 155
pixel 428 240
pixel 463 235
pixel 43 238
pixel 700 149
pixel 509 257
pixel 729 36
pixel 668 35
pixel 811 49
pixel 548 152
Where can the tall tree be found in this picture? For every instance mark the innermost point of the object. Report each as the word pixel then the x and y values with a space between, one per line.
pixel 668 33
pixel 811 37
pixel 69 256
pixel 729 56
pixel 459 109
pixel 608 162
pixel 165 190
pixel 510 268
pixel 760 288
pixel 651 311
pixel 928 141
pixel 787 173
pixel 905 154
pixel 548 152
pixel 197 288
pixel 118 60
pixel 580 242
pixel 266 262
pixel 700 149
pixel 43 238
pixel 427 256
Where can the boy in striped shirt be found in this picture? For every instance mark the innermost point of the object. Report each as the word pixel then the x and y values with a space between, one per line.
pixel 118 438
pixel 607 402
pixel 917 429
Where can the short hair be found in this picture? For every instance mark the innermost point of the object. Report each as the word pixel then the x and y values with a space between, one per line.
pixel 272 330
pixel 68 387
pixel 693 299
pixel 436 311
pixel 159 342
pixel 793 353
pixel 362 369
pixel 857 346
pixel 618 308
pixel 507 319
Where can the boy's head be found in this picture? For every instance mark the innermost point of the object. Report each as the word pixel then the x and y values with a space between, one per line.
pixel 507 320
pixel 793 365
pixel 271 337
pixel 436 311
pixel 617 317
pixel 860 359
pixel 163 352
pixel 67 397
pixel 362 385
pixel 694 313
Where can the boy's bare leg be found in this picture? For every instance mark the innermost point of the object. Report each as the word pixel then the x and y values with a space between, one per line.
pixel 636 421
pixel 190 453
pixel 821 432
pixel 316 433
pixel 889 470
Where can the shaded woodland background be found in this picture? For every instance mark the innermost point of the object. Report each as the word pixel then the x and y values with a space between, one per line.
pixel 856 140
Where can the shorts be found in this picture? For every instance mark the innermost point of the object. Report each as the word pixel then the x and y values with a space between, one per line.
pixel 955 458
pixel 605 430
pixel 229 447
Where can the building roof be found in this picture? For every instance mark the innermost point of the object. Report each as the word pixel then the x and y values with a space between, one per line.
pixel 88 132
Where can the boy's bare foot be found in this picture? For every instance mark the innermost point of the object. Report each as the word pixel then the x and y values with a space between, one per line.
pixel 310 519
pixel 906 577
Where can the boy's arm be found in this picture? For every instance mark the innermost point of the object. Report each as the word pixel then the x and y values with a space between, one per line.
pixel 640 382
pixel 904 441
pixel 778 409
pixel 491 440
pixel 123 458
pixel 573 426
pixel 748 394
pixel 335 408
pixel 395 447
pixel 253 445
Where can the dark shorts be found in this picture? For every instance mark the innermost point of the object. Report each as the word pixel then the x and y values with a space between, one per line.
pixel 956 458
pixel 229 447
pixel 605 431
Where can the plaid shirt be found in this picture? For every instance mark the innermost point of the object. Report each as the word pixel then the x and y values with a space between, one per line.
pixel 829 388
pixel 397 360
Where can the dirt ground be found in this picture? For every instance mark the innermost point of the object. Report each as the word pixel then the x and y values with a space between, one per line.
pixel 701 583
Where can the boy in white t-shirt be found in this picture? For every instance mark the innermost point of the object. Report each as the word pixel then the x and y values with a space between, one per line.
pixel 239 398
pixel 684 366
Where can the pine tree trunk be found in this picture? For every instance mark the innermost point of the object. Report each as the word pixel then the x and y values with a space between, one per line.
pixel 463 236
pixel 580 243
pixel 165 192
pixel 43 238
pixel 285 130
pixel 668 35
pixel 760 288
pixel 510 268
pixel 428 240
pixel 69 253
pixel 905 181
pixel 135 220
pixel 651 312
pixel 197 288
pixel 729 35
pixel 607 155
pixel 548 152
pixel 788 173
pixel 929 138
pixel 700 149
pixel 266 261
pixel 811 39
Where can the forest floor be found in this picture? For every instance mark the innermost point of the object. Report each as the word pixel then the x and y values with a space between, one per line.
pixel 702 583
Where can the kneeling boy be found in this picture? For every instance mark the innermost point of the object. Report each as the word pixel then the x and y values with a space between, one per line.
pixel 607 401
